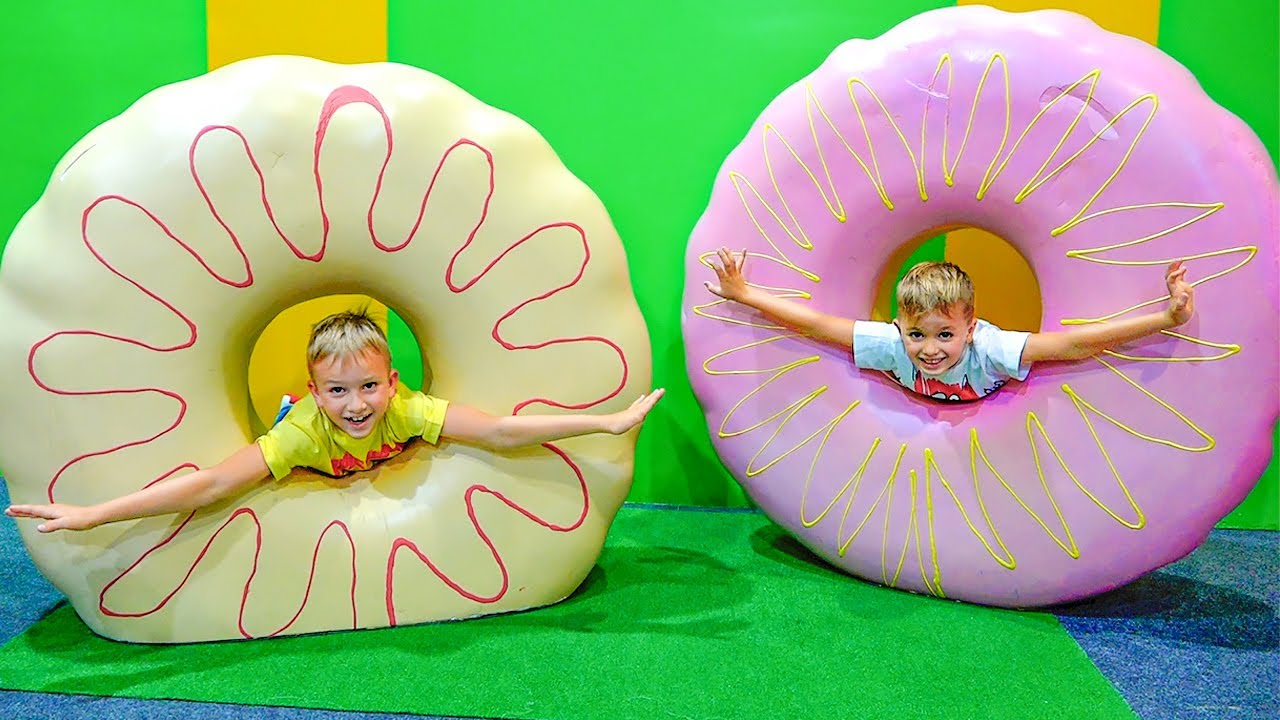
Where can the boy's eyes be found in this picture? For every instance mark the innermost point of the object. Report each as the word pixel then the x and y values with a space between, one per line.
pixel 915 335
pixel 945 334
pixel 338 390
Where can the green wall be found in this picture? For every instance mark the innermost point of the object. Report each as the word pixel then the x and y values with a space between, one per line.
pixel 643 101
pixel 68 66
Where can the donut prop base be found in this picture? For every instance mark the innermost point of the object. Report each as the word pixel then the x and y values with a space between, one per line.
pixel 1100 160
pixel 170 236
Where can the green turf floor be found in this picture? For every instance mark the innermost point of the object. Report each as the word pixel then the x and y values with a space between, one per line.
pixel 689 614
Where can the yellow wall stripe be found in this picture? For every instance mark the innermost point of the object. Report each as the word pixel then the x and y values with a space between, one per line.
pixel 343 31
pixel 1138 18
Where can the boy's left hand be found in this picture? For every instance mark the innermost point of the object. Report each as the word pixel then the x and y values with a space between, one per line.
pixel 621 422
pixel 1181 294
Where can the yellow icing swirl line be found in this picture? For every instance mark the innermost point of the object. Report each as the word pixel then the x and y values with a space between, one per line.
pixel 866 133
pixel 949 171
pixel 1228 349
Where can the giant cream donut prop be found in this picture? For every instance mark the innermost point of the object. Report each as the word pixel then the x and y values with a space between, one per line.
pixel 1101 160
pixel 169 237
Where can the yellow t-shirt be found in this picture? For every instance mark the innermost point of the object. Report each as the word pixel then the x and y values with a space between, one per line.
pixel 306 437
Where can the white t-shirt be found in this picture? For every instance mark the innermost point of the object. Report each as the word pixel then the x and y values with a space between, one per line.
pixel 988 362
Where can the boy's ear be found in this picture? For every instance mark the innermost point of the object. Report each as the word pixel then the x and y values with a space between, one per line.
pixel 393 377
pixel 973 323
pixel 311 386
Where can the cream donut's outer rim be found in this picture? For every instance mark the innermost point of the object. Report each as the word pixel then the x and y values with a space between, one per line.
pixel 171 235
pixel 1102 162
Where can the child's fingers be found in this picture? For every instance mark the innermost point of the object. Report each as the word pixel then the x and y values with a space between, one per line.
pixel 647 401
pixel 649 398
pixel 44 512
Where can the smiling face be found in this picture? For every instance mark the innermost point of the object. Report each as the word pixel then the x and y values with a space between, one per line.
pixel 354 390
pixel 935 341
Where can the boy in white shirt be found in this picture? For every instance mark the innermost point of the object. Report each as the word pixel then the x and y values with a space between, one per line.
pixel 936 347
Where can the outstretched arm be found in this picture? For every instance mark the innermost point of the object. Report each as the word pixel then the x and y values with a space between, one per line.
pixel 181 494
pixel 476 427
pixel 799 316
pixel 1089 340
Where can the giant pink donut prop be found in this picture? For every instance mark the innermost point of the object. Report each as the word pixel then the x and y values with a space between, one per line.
pixel 1100 159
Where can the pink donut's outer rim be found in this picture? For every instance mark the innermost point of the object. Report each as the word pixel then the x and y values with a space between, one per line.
pixel 932 527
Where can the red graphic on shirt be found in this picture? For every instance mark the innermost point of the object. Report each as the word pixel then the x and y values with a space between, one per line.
pixel 350 463
pixel 945 391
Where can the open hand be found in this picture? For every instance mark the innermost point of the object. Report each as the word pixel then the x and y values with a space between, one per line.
pixel 732 285
pixel 623 421
pixel 59 516
pixel 1182 302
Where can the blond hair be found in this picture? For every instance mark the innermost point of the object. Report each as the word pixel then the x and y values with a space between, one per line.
pixel 930 286
pixel 346 334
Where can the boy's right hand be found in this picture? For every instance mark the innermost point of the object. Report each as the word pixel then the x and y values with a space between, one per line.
pixel 1182 303
pixel 60 517
pixel 732 285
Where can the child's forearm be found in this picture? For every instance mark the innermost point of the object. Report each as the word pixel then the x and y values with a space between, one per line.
pixel 188 492
pixel 470 425
pixel 515 431
pixel 181 494
pixel 786 312
pixel 1088 340
pixel 801 317
pixel 1096 337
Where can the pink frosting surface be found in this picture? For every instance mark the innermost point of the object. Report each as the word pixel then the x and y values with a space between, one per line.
pixel 1100 159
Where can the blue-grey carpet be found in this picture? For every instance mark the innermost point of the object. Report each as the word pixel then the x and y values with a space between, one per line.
pixel 1197 639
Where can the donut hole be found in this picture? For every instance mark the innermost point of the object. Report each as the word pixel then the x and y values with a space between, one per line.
pixel 277 363
pixel 926 247
pixel 1006 291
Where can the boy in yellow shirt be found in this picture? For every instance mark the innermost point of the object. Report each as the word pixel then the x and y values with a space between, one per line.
pixel 357 413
